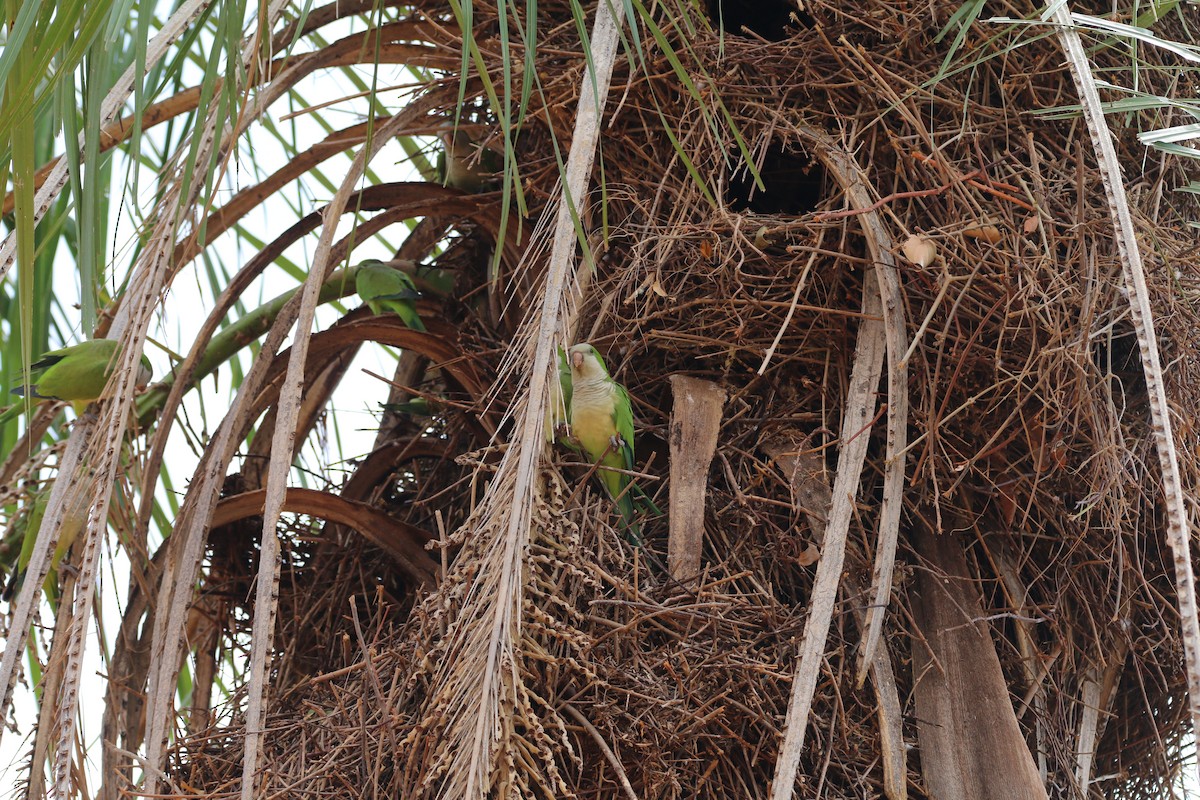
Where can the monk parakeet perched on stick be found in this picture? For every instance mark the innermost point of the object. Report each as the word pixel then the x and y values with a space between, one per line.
pixel 78 374
pixel 601 419
pixel 385 289
pixel 464 165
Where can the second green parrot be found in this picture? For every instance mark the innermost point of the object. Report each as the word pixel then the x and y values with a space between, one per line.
pixel 465 166
pixel 30 524
pixel 385 289
pixel 78 374
pixel 601 420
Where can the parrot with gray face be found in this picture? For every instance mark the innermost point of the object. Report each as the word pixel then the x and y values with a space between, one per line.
pixel 601 420
pixel 464 165
pixel 78 374
pixel 386 289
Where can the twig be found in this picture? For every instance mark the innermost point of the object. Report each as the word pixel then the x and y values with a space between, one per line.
pixel 574 714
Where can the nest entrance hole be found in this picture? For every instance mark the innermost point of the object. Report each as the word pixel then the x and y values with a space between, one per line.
pixel 766 18
pixel 1119 357
pixel 793 184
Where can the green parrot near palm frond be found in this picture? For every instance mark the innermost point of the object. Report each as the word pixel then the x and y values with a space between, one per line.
pixel 601 420
pixel 386 289
pixel 464 165
pixel 29 524
pixel 78 374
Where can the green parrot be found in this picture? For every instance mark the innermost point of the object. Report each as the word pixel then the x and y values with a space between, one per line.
pixel 385 289
pixel 31 522
pixel 78 374
pixel 465 166
pixel 601 420
pixel 416 407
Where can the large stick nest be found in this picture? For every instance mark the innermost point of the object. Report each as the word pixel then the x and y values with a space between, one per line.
pixel 1029 431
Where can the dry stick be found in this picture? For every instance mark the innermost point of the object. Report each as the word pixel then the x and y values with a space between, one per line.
pixel 787 320
pixel 970 179
pixel 860 402
pixel 998 189
pixel 126 668
pixel 583 721
pixel 51 685
pixel 1089 722
pixel 1097 695
pixel 695 422
pixel 1178 534
pixel 1109 681
pixel 804 467
pixel 879 245
pixel 1018 598
pixel 829 216
pixel 104 447
pixel 39 560
pixel 887 302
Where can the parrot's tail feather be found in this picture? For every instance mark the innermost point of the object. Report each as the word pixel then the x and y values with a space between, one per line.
pixel 629 524
pixel 645 502
pixel 45 362
pixel 621 489
pixel 12 584
pixel 33 392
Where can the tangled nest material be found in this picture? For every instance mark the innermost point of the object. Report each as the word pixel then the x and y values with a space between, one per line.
pixel 1028 430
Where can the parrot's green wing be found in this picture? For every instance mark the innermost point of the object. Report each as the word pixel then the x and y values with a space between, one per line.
pixel 385 289
pixel 92 350
pixel 376 280
pixel 76 374
pixel 564 379
pixel 623 419
pixel 440 172
pixel 559 412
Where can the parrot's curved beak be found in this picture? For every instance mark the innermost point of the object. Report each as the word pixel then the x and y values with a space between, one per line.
pixel 144 375
pixel 577 360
